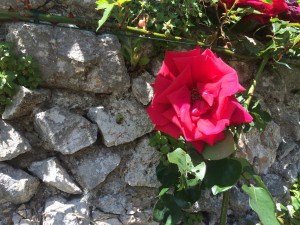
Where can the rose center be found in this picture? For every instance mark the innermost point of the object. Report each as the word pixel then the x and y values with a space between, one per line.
pixel 199 104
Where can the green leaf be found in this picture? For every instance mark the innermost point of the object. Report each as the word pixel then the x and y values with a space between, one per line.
pixel 220 150
pixel 267 1
pixel 181 159
pixel 222 174
pixel 166 210
pixel 167 175
pixel 262 203
pixel 105 16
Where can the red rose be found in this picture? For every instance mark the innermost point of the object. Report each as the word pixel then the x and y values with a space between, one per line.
pixel 194 97
pixel 268 10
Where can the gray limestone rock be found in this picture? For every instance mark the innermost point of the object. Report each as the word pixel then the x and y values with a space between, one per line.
pixel 24 102
pixel 142 89
pixel 141 218
pixel 261 148
pixel 100 218
pixel 123 121
pixel 93 165
pixel 59 211
pixel 73 59
pixel 17 5
pixel 16 186
pixel 239 201
pixel 74 100
pixel 141 167
pixel 51 172
pixel 115 204
pixel 66 132
pixel 208 202
pixel 276 185
pixel 12 143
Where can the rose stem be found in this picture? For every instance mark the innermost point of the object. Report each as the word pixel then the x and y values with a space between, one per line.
pixel 39 18
pixel 225 202
pixel 223 219
pixel 254 82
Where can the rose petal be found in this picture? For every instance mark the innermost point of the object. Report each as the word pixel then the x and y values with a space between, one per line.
pixel 170 68
pixel 184 79
pixel 212 139
pixel 211 127
pixel 180 101
pixel 199 145
pixel 170 129
pixel 240 115
pixel 155 112
pixel 160 85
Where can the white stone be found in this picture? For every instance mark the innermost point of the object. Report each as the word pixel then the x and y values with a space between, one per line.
pixel 73 59
pixel 142 89
pixel 51 172
pixel 16 186
pixel 23 102
pixel 141 167
pixel 59 211
pixel 12 143
pixel 93 165
pixel 123 121
pixel 66 132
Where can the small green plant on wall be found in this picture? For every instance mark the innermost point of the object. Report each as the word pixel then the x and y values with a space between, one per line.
pixel 15 71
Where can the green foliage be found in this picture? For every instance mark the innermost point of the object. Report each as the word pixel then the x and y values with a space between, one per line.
pixel 15 71
pixel 221 149
pixel 134 51
pixel 262 203
pixel 285 40
pixel 290 214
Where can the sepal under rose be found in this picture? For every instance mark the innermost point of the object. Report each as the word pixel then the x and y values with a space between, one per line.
pixel 194 97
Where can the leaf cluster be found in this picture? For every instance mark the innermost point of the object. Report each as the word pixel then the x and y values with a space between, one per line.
pixel 184 174
pixel 15 71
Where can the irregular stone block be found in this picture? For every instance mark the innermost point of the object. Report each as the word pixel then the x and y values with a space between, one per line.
pixel 276 185
pixel 115 204
pixel 16 186
pixel 24 102
pixel 100 218
pixel 261 148
pixel 122 122
pixel 50 171
pixel 66 132
pixel 141 167
pixel 142 89
pixel 73 59
pixel 59 211
pixel 12 143
pixel 93 165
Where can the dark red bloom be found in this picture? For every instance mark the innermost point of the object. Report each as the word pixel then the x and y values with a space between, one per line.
pixel 194 97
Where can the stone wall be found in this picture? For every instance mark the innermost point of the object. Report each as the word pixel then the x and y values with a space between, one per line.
pixel 75 151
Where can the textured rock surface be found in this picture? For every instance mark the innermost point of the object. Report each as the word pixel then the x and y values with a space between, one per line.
pixel 50 171
pixel 92 165
pixel 261 148
pixel 62 212
pixel 16 186
pixel 12 143
pixel 276 185
pixel 121 122
pixel 141 88
pixel 24 102
pixel 73 59
pixel 66 132
pixel 141 167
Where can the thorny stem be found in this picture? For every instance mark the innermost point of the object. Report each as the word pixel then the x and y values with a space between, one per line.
pixel 254 82
pixel 36 17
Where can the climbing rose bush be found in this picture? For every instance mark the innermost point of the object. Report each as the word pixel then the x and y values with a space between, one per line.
pixel 194 97
pixel 288 10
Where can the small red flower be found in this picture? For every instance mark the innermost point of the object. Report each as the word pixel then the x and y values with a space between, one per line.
pixel 194 97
